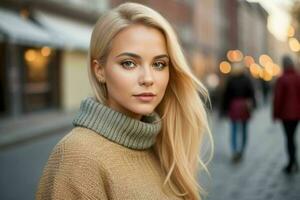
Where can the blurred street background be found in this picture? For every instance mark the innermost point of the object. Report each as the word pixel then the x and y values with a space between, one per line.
pixel 43 78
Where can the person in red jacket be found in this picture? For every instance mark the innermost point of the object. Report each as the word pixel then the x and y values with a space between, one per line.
pixel 286 107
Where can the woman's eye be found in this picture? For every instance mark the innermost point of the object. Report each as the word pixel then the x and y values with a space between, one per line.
pixel 159 65
pixel 128 64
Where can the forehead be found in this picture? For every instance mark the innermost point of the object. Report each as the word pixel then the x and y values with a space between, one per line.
pixel 139 39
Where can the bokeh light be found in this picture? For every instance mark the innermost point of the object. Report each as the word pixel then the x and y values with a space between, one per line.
pixel 235 55
pixel 225 67
pixel 269 68
pixel 276 70
pixel 294 44
pixel 291 31
pixel 45 51
pixel 264 59
pixel 30 55
pixel 248 61
pixel 255 70
pixel 266 76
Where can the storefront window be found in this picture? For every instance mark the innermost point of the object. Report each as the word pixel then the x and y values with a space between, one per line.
pixel 38 92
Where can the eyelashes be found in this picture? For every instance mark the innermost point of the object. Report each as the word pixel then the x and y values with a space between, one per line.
pixel 129 64
pixel 160 65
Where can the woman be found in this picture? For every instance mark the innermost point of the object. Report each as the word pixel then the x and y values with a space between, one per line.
pixel 139 137
pixel 286 108
pixel 238 102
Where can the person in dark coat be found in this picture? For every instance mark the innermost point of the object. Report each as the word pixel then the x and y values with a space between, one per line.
pixel 286 107
pixel 238 103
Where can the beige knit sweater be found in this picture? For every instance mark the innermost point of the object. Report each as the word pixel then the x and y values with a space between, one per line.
pixel 87 164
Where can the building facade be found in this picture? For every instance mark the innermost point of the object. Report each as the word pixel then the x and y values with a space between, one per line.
pixel 44 47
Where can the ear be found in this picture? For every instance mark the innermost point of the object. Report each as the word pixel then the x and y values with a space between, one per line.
pixel 98 70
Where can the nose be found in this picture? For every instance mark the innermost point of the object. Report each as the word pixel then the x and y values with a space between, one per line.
pixel 146 77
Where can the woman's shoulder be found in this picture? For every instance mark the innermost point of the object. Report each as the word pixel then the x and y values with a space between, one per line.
pixel 81 143
pixel 74 168
pixel 85 144
pixel 82 137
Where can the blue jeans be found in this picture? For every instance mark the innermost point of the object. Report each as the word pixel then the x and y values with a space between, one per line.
pixel 238 136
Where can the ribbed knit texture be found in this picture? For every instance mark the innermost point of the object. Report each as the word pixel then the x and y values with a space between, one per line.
pixel 87 164
pixel 118 127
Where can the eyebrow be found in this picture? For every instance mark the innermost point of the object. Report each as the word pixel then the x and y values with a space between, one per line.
pixel 139 57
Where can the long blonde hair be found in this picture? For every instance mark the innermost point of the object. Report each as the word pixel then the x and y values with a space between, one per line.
pixel 184 119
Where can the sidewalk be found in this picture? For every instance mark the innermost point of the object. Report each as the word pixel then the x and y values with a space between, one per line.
pixel 259 176
pixel 24 128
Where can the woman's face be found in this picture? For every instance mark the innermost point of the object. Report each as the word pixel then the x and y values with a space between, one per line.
pixel 136 72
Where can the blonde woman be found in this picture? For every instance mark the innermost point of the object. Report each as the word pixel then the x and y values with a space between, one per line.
pixel 140 136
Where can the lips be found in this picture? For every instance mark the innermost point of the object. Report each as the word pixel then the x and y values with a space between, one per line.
pixel 147 94
pixel 145 97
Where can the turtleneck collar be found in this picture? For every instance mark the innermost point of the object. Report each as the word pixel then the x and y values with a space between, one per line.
pixel 118 127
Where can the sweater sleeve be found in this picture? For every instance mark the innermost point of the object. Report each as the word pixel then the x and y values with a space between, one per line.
pixel 71 173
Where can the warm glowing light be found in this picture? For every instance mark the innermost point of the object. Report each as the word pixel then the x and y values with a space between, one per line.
pixel 255 70
pixel 235 55
pixel 239 55
pixel 36 64
pixel 291 32
pixel 225 67
pixel 266 76
pixel 294 44
pixel 45 51
pixel 264 59
pixel 269 68
pixel 248 60
pixel 261 73
pixel 30 55
pixel 230 55
pixel 276 70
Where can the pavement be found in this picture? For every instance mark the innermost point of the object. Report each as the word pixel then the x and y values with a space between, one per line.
pixel 25 128
pixel 259 176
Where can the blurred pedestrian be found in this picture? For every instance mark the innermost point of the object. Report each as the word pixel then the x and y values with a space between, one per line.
pixel 265 90
pixel 238 103
pixel 286 107
pixel 139 137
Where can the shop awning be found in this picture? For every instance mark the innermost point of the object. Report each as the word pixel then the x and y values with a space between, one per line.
pixel 18 30
pixel 74 34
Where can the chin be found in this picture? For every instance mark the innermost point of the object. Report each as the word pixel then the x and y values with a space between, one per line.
pixel 143 110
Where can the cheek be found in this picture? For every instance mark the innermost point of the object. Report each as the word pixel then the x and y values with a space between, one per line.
pixel 118 81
